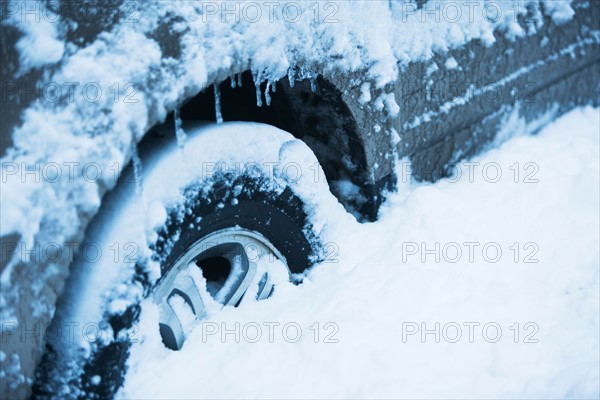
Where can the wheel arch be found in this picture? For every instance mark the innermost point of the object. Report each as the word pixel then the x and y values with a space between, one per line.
pixel 324 113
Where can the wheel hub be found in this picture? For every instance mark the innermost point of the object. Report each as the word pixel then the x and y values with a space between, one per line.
pixel 228 260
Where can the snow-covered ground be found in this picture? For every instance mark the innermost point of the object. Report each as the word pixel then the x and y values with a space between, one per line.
pixel 476 286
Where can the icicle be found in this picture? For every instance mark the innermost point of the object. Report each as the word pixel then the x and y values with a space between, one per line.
pixel 313 84
pixel 274 88
pixel 257 77
pixel 179 132
pixel 268 94
pixel 259 102
pixel 291 77
pixel 136 162
pixel 218 114
pixel 239 80
pixel 233 81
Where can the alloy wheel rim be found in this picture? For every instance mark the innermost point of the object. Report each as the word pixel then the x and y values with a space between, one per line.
pixel 228 260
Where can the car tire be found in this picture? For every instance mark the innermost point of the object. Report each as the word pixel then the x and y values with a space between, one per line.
pixel 228 205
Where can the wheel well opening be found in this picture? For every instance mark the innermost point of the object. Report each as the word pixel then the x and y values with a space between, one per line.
pixel 311 111
pixel 215 270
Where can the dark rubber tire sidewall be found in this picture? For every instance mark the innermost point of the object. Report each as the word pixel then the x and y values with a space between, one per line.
pixel 276 214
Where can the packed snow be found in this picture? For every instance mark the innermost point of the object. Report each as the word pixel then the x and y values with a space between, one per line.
pixel 481 285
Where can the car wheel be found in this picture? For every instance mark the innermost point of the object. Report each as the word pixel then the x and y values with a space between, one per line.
pixel 236 228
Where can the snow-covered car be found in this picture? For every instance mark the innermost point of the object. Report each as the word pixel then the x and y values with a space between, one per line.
pixel 125 166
